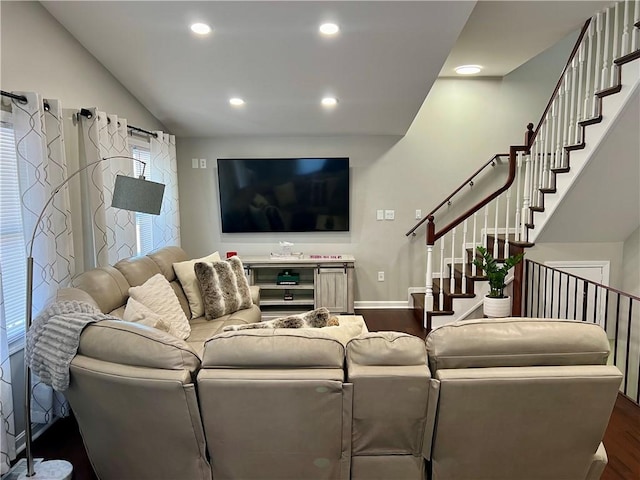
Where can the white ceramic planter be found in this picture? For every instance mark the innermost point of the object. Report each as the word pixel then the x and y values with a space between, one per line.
pixel 497 307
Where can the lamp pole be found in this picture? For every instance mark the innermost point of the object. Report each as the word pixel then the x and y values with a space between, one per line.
pixel 52 469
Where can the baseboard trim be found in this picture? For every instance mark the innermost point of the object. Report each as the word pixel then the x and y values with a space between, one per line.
pixel 396 304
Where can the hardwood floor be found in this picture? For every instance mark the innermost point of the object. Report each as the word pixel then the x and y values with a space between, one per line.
pixel 622 438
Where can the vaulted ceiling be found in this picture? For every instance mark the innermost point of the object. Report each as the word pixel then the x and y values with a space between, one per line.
pixel 380 66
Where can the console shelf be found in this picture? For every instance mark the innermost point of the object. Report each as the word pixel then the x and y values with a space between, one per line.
pixel 324 282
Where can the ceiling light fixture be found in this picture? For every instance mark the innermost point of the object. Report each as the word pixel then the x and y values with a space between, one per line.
pixel 236 102
pixel 329 29
pixel 329 101
pixel 468 69
pixel 201 28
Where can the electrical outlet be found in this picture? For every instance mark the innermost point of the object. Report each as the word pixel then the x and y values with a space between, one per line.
pixel 418 214
pixel 203 163
pixel 379 214
pixel 381 276
pixel 389 214
pixel 194 163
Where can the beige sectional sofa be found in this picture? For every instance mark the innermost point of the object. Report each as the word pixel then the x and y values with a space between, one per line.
pixel 298 404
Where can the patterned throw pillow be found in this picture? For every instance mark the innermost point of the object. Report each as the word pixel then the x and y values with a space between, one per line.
pixel 187 276
pixel 157 295
pixel 224 287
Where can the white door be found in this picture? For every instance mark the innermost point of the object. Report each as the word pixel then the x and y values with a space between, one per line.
pixel 574 298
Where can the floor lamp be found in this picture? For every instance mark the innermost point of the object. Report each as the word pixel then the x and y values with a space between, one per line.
pixel 129 193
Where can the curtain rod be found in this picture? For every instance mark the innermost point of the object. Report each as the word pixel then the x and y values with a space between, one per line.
pixel 87 113
pixel 83 111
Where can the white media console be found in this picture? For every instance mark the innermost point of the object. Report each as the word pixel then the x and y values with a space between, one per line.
pixel 324 281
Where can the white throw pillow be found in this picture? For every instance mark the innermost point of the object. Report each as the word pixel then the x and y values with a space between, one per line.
pixel 343 333
pixel 157 295
pixel 138 313
pixel 187 276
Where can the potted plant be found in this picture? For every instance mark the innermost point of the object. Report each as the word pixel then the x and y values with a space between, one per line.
pixel 496 304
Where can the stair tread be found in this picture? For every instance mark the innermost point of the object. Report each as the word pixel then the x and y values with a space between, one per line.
pixel 591 121
pixel 561 170
pixel 576 146
pixel 629 57
pixel 440 312
pixel 522 244
pixel 609 91
pixel 547 190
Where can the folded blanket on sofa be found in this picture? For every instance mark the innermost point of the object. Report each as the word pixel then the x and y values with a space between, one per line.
pixel 53 339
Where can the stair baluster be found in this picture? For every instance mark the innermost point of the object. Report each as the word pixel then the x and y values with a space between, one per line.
pixel 442 276
pixel 614 51
pixel 635 38
pixel 598 64
pixel 452 277
pixel 464 257
pixel 605 53
pixel 474 268
pixel 495 228
pixel 588 92
pixel 518 194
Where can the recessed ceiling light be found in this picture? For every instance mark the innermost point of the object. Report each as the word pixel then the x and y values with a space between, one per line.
pixel 329 28
pixel 468 69
pixel 236 102
pixel 201 28
pixel 329 101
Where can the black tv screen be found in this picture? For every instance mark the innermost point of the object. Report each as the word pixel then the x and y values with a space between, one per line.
pixel 284 194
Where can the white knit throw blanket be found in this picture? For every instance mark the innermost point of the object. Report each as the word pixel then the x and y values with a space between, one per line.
pixel 53 339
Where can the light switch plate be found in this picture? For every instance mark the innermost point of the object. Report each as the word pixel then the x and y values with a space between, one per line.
pixel 194 163
pixel 379 214
pixel 418 214
pixel 389 214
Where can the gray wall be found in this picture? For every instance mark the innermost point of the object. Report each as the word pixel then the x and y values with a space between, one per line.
pixel 38 54
pixel 462 123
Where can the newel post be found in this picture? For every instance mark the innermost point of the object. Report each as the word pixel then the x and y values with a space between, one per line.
pixel 428 298
pixel 528 136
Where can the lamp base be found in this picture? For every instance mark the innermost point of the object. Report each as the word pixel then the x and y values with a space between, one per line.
pixel 50 470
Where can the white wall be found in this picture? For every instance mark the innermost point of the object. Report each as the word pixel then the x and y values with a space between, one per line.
pixel 462 123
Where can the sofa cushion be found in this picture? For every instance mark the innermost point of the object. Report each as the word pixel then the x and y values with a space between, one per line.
pixel 386 349
pixel 165 257
pixel 136 345
pixel 516 342
pixel 300 348
pixel 106 285
pixel 224 287
pixel 157 295
pixel 187 276
pixel 137 270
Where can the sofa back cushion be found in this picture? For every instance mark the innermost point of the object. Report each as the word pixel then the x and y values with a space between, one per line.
pixel 106 285
pixel 137 345
pixel 137 270
pixel 514 342
pixel 279 348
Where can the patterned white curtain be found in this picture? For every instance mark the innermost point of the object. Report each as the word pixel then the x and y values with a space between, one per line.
pixel 41 169
pixel 113 234
pixel 164 169
pixel 7 429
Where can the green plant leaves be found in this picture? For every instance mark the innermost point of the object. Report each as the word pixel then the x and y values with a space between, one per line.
pixel 495 273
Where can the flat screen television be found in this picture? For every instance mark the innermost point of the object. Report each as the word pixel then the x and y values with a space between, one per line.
pixel 284 194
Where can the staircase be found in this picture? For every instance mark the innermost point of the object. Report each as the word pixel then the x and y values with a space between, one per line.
pixel 602 73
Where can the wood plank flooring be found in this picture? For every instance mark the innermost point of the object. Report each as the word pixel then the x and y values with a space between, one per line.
pixel 622 438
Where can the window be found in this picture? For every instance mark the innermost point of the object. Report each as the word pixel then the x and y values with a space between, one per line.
pixel 13 254
pixel 144 221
